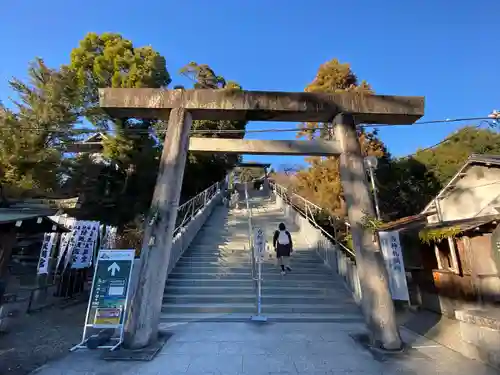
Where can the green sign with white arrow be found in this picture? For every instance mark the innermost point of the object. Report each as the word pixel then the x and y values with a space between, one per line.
pixel 110 285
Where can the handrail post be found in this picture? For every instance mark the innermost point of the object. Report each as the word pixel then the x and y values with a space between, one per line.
pixel 250 233
pixel 259 288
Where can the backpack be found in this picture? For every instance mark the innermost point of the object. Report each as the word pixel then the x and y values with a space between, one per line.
pixel 283 238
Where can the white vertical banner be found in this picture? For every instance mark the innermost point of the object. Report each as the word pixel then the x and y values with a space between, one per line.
pixel 95 240
pixel 393 257
pixel 47 245
pixel 84 244
pixel 68 223
pixel 77 228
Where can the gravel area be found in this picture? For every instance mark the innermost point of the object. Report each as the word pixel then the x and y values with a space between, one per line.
pixel 40 337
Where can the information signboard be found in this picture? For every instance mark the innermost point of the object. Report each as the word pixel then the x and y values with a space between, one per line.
pixel 110 292
pixel 259 244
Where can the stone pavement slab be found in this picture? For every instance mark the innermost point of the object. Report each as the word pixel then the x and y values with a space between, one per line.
pixel 273 348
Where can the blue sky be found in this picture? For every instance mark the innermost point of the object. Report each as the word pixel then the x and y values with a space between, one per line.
pixel 445 50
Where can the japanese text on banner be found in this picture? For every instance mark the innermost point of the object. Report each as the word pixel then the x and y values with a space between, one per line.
pixel 393 257
pixel 45 253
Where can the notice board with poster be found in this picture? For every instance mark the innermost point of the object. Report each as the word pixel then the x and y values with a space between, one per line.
pixel 110 294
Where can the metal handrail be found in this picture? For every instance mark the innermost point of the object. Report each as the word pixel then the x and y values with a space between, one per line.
pixel 188 210
pixel 250 233
pixel 256 266
pixel 309 214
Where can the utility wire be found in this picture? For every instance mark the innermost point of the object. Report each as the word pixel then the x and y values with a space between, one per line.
pixel 155 132
pixel 448 138
pixel 233 131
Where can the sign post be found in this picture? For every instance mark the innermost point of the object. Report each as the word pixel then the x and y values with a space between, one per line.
pixel 259 247
pixel 109 297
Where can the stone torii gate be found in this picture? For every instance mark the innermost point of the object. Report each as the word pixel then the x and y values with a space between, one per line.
pixel 181 107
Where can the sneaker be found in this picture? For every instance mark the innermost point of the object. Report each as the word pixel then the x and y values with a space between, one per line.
pixel 289 269
pixel 283 273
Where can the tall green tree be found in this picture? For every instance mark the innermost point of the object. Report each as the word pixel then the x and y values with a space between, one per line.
pixel 130 149
pixel 445 159
pixel 205 169
pixel 33 134
pixel 408 184
pixel 405 186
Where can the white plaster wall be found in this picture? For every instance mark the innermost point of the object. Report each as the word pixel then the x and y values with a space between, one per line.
pixel 476 194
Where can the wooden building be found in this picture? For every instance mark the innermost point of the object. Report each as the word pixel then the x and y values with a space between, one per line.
pixel 450 248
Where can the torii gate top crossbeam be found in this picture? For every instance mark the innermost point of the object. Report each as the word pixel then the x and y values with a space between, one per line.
pixel 227 104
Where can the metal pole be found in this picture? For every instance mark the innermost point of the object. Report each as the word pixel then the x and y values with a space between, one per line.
pixel 259 289
pixel 259 317
pixel 250 234
pixel 374 188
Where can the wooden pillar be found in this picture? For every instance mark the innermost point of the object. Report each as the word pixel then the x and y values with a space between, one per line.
pixel 376 301
pixel 142 325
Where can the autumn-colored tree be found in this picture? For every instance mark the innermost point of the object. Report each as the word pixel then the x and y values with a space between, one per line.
pixel 332 77
pixel 320 182
pixel 247 174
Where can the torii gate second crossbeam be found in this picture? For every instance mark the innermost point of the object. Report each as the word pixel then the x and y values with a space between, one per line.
pixel 181 107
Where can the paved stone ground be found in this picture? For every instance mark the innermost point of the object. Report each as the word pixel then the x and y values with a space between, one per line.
pixel 279 348
pixel 38 338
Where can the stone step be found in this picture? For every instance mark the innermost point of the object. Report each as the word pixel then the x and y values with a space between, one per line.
pixel 212 281
pixel 184 262
pixel 245 256
pixel 241 258
pixel 236 269
pixel 250 308
pixel 267 299
pixel 204 282
pixel 266 290
pixel 167 319
pixel 268 276
pixel 249 283
pixel 244 249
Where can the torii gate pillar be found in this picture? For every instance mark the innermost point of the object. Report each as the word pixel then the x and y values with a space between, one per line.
pixel 145 307
pixel 376 300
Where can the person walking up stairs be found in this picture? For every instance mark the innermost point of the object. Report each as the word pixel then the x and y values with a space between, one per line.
pixel 283 245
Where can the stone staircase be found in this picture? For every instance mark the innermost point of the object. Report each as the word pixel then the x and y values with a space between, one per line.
pixel 213 281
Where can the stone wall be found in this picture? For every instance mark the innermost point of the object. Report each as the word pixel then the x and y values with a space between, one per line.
pixel 480 333
pixel 189 232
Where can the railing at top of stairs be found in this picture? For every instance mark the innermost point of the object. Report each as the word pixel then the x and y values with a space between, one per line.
pixel 310 210
pixel 188 210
